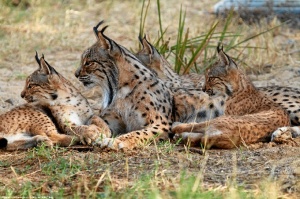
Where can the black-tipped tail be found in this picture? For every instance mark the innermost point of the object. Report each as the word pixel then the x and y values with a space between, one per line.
pixel 3 143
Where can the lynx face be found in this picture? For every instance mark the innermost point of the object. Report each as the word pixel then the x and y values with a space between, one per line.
pixel 98 70
pixel 222 77
pixel 42 84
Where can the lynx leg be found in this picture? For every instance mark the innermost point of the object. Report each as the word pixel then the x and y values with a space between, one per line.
pixel 25 141
pixel 285 133
pixel 179 128
pixel 220 138
pixel 64 140
pixel 87 134
pixel 103 127
pixel 189 138
pixel 135 138
pixel 208 136
pixel 190 133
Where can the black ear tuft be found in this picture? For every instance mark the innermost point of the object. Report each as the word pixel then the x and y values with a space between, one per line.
pixel 97 26
pixel 219 47
pixel 141 39
pixel 37 58
pixel 51 68
pixel 103 29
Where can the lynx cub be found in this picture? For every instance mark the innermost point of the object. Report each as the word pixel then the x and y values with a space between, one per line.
pixel 54 106
pixel 249 115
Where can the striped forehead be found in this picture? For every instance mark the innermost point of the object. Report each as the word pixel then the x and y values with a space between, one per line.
pixel 86 53
pixel 38 78
pixel 219 69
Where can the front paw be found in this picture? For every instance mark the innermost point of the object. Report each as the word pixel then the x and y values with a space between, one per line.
pixel 188 138
pixel 176 127
pixel 282 134
pixel 111 143
pixel 90 135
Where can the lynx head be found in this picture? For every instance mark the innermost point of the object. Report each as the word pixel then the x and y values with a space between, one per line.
pixel 98 67
pixel 151 58
pixel 222 77
pixel 43 84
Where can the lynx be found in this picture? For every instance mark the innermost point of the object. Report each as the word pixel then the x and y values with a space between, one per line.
pixel 151 58
pixel 249 115
pixel 54 106
pixel 287 97
pixel 135 104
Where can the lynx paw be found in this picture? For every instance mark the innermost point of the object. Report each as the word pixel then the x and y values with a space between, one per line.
pixel 112 143
pixel 176 127
pixel 188 138
pixel 43 140
pixel 90 135
pixel 282 134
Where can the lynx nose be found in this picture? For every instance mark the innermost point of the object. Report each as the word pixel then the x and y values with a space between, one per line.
pixel 23 94
pixel 209 92
pixel 77 73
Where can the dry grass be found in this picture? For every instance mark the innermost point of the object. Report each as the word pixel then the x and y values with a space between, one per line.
pixel 62 30
pixel 149 172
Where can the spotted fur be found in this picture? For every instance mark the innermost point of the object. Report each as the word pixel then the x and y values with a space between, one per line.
pixel 135 104
pixel 69 109
pixel 151 58
pixel 287 97
pixel 191 104
pixel 56 113
pixel 27 126
pixel 249 116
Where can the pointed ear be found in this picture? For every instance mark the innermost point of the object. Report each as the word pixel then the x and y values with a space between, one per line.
pixel 104 43
pixel 223 58
pixel 45 68
pixel 151 50
pixel 147 47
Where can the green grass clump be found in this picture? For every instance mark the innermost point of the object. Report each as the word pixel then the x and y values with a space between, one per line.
pixel 191 53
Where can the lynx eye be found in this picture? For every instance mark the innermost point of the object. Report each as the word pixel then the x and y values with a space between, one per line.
pixel 210 79
pixel 88 63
